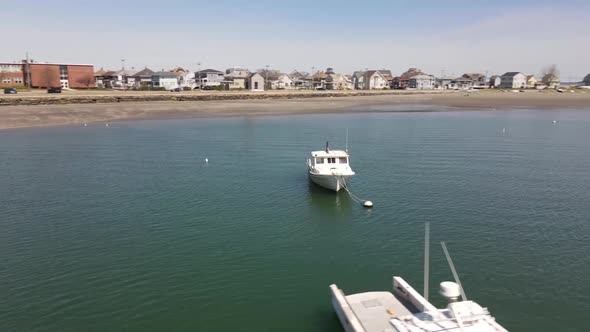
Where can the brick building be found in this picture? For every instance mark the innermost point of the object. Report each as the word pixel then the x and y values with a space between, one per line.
pixel 11 75
pixel 44 75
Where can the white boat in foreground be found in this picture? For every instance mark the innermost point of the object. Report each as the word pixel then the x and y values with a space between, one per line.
pixel 405 310
pixel 329 168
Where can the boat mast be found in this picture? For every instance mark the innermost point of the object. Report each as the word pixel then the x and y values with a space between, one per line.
pixel 426 259
pixel 346 140
pixel 452 266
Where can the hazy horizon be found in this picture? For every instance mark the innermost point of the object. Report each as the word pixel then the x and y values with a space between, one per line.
pixel 451 37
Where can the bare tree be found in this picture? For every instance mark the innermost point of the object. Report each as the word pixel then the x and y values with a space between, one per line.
pixel 48 77
pixel 550 73
pixel 85 80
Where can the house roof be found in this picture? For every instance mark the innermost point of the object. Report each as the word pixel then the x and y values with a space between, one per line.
pixel 462 79
pixel 474 75
pixel 320 75
pixel 385 72
pixel 422 77
pixel 511 74
pixel 370 73
pixel 145 72
pixel 109 73
pixel 358 74
pixel 587 78
pixel 164 74
pixel 206 71
pixel 528 77
pixel 99 72
pixel 254 74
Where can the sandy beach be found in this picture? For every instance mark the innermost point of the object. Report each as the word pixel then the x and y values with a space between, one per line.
pixel 23 116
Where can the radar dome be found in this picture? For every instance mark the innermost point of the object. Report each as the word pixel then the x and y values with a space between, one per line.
pixel 450 290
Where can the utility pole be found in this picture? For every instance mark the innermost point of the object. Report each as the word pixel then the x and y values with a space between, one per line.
pixel 123 77
pixel 199 71
pixel 266 79
pixel 312 73
pixel 28 71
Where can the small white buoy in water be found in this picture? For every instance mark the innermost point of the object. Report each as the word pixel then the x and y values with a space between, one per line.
pixel 206 160
pixel 503 130
pixel 368 204
pixel 106 124
pixel 554 122
pixel 85 125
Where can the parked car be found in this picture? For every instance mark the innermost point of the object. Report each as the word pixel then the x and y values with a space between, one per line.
pixel 176 90
pixel 54 90
pixel 10 91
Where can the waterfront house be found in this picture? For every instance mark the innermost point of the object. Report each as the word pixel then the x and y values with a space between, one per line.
pixel 236 78
pixel 143 78
pixel 255 82
pixel 358 80
pixel 495 81
pixel 402 81
pixel 208 78
pixel 319 80
pixel 586 81
pixel 551 81
pixel 99 78
pixel 280 81
pixel 301 80
pixel 442 83
pixel 513 80
pixel 165 79
pixel 478 80
pixel 374 80
pixel 460 83
pixel 531 81
pixel 338 82
pixel 421 82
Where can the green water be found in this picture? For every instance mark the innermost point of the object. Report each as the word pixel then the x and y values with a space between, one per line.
pixel 126 228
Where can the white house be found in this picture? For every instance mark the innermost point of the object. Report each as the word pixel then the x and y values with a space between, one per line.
pixel 165 79
pixel 278 80
pixel 373 79
pixel 422 82
pixel 513 80
pixel 209 78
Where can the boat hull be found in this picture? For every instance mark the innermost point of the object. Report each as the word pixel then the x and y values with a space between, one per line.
pixel 331 182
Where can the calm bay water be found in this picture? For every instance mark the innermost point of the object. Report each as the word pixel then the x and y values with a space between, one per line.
pixel 126 228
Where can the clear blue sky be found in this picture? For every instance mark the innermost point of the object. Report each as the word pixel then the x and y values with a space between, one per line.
pixel 453 36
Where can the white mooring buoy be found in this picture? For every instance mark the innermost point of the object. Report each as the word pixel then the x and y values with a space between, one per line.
pixel 206 160
pixel 554 122
pixel 368 204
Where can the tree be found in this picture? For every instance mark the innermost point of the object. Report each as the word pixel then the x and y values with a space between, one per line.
pixel 550 73
pixel 86 80
pixel 48 77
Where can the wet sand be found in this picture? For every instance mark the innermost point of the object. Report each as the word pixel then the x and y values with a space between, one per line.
pixel 22 116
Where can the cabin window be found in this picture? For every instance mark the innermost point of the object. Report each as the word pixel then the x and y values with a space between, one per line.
pixel 342 160
pixel 331 160
pixel 319 160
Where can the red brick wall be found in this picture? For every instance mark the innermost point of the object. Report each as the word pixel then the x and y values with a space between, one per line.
pixel 44 75
pixel 81 76
pixel 7 73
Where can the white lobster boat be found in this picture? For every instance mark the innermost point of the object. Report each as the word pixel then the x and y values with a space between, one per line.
pixel 329 168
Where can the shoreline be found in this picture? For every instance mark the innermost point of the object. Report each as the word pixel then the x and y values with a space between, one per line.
pixel 29 116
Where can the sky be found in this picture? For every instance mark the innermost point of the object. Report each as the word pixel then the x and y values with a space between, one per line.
pixel 447 37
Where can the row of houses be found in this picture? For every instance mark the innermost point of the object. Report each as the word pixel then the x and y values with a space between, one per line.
pixel 39 75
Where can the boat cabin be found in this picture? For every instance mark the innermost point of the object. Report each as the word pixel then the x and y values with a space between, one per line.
pixel 330 159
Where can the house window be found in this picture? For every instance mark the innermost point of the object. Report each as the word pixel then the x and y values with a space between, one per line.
pixel 18 80
pixel 6 80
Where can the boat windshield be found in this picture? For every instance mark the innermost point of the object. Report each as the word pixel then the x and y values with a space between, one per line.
pixel 343 160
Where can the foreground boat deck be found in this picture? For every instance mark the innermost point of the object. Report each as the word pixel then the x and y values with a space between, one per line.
pixel 375 309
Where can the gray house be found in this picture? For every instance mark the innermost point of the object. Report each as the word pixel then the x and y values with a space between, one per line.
pixel 513 80
pixel 255 82
pixel 143 77
pixel 586 80
pixel 209 78
pixel 495 81
pixel 421 82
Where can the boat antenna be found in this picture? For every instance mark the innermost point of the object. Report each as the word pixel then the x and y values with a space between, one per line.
pixel 346 140
pixel 327 148
pixel 452 266
pixel 426 259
